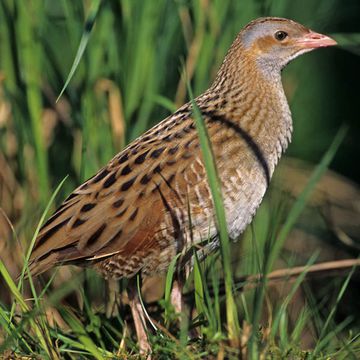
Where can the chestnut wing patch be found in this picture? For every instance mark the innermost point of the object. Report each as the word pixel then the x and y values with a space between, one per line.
pixel 119 207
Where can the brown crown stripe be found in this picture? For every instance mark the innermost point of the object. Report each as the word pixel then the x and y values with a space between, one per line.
pixel 126 170
pixel 77 223
pixel 87 207
pixel 93 238
pixel 101 175
pixel 127 185
pixel 263 20
pixel 118 203
pixel 110 180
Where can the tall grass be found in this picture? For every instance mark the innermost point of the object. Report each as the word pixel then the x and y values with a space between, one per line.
pixel 119 65
pixel 215 186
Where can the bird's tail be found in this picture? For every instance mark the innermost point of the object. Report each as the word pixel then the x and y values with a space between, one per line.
pixel 37 267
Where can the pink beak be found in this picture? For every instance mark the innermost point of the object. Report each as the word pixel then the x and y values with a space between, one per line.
pixel 313 40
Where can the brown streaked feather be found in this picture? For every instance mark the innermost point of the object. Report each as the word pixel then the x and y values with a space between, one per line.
pixel 133 214
pixel 111 211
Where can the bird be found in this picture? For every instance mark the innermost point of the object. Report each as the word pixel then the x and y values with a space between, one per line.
pixel 152 201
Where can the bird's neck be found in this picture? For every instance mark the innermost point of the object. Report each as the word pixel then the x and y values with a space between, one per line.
pixel 255 101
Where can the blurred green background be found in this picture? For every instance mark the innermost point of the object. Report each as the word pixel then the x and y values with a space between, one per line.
pixel 129 78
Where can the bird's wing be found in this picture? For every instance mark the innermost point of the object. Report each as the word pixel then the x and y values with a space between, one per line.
pixel 113 211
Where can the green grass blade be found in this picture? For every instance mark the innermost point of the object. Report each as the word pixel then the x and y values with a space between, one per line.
pixel 303 198
pixel 31 62
pixel 286 301
pixel 13 333
pixel 324 337
pixel 89 24
pixel 215 186
pixel 276 246
pixel 41 221
pixel 168 285
pixel 37 328
pixel 83 337
pixel 199 287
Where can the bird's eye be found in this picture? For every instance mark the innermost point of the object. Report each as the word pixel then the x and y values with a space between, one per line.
pixel 280 35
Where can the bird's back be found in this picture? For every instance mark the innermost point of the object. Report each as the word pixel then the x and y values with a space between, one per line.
pixel 133 209
pixel 136 212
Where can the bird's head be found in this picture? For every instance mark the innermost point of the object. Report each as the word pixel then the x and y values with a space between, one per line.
pixel 273 42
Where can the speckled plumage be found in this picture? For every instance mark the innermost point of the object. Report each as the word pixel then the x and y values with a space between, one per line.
pixel 134 214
